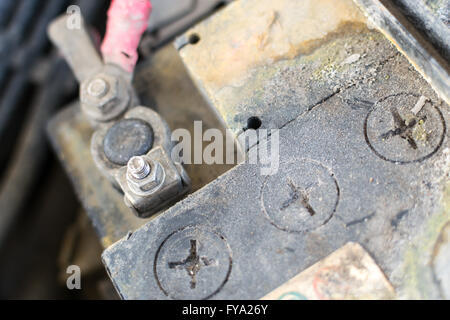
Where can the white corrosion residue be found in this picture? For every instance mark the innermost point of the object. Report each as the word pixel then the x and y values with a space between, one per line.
pixel 352 59
pixel 419 105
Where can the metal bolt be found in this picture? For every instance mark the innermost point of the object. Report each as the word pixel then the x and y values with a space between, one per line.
pixel 98 88
pixel 144 177
pixel 104 96
pixel 138 168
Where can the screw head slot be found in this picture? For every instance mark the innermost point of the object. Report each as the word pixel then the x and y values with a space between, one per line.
pixel 192 263
pixel 395 133
pixel 302 197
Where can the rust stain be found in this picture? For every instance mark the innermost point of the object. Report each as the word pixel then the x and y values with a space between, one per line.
pixel 442 239
pixel 319 59
pixel 231 46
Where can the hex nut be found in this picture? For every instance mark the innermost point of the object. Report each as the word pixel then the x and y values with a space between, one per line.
pixel 100 102
pixel 105 105
pixel 98 88
pixel 154 190
pixel 151 183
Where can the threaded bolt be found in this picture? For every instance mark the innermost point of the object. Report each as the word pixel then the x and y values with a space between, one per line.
pixel 98 88
pixel 138 168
